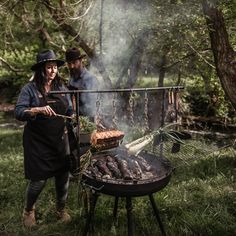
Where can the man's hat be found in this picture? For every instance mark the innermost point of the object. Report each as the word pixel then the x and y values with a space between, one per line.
pixel 46 56
pixel 73 54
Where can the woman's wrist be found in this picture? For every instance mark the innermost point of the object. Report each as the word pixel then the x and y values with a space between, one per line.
pixel 32 111
pixel 45 110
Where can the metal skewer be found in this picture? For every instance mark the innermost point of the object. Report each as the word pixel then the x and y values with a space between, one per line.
pixel 63 116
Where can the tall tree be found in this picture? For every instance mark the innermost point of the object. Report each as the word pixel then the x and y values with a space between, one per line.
pixel 224 55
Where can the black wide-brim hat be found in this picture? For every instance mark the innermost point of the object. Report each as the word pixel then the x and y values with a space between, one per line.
pixel 46 56
pixel 73 54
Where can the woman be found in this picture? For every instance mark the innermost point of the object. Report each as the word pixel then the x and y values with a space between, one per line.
pixel 44 147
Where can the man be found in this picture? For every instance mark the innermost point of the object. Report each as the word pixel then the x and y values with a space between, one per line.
pixel 81 79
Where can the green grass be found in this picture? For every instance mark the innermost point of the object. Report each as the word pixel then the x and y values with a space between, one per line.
pixel 7 117
pixel 199 200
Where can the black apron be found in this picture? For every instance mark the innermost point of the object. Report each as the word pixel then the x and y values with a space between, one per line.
pixel 43 141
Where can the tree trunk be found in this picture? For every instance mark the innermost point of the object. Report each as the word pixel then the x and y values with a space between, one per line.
pixel 224 55
pixel 134 61
pixel 162 70
pixel 157 101
pixel 134 68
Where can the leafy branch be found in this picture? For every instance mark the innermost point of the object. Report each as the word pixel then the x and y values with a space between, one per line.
pixel 12 68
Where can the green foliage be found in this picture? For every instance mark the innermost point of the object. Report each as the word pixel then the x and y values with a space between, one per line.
pixel 11 80
pixel 207 100
pixel 21 59
pixel 86 125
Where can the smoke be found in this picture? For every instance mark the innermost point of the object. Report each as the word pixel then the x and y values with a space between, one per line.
pixel 124 21
pixel 121 23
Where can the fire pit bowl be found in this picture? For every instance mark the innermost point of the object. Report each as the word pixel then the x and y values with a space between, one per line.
pixel 133 187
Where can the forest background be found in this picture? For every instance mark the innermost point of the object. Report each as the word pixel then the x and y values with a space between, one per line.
pixel 129 44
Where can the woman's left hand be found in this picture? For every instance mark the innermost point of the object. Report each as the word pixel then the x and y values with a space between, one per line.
pixel 46 110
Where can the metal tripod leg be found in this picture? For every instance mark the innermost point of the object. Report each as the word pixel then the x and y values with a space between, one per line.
pixel 90 217
pixel 129 216
pixel 115 207
pixel 156 212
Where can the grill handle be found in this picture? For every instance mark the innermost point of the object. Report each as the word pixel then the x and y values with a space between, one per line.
pixel 83 183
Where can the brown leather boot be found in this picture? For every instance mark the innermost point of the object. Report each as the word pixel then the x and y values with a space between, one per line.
pixel 63 216
pixel 28 219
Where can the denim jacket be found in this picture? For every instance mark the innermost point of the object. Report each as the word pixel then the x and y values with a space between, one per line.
pixel 87 101
pixel 29 97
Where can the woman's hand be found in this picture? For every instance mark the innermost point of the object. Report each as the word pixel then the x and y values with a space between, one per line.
pixel 46 110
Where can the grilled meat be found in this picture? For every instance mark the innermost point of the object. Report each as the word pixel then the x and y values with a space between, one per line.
pixel 101 137
pixel 124 169
pixel 144 164
pixel 113 167
pixel 94 172
pixel 137 171
pixel 101 165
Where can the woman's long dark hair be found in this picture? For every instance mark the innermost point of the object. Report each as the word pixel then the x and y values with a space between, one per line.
pixel 40 80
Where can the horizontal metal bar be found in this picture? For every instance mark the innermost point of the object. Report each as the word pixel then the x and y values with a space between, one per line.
pixel 119 90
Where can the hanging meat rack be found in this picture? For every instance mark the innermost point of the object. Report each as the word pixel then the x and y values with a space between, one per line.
pixel 121 186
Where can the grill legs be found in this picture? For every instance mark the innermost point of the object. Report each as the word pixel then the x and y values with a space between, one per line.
pixel 115 207
pixel 129 216
pixel 93 201
pixel 156 212
pixel 129 213
pixel 94 197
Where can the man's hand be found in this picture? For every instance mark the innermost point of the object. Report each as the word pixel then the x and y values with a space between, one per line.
pixel 46 110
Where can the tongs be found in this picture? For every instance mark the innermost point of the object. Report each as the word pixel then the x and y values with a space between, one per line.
pixel 66 117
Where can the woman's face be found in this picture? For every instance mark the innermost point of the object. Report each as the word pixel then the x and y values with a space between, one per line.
pixel 50 70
